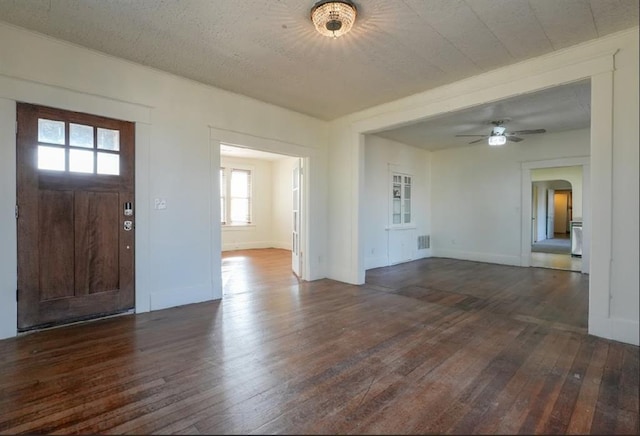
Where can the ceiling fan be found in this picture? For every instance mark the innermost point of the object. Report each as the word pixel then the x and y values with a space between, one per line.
pixel 500 136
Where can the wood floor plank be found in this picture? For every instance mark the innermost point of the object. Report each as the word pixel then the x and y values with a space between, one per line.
pixel 433 346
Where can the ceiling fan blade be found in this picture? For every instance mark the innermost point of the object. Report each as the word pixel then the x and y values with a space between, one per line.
pixel 477 140
pixel 514 138
pixel 484 136
pixel 528 132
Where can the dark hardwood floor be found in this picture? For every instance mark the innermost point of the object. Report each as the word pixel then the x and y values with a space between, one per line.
pixel 432 346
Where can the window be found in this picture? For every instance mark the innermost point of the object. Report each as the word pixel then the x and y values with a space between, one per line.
pixel 235 196
pixel 77 148
pixel 400 199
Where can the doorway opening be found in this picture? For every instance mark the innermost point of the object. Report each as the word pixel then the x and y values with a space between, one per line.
pixel 557 197
pixel 552 219
pixel 261 211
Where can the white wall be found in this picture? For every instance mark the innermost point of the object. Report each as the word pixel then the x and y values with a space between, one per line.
pixel 477 195
pixel 625 197
pixel 381 155
pixel 611 64
pixel 177 123
pixel 572 175
pixel 8 248
pixel 259 233
pixel 540 208
pixel 271 205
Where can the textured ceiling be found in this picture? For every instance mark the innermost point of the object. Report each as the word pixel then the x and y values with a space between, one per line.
pixel 557 109
pixel 269 50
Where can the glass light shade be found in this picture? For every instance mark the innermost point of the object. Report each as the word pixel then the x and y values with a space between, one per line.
pixel 333 18
pixel 497 140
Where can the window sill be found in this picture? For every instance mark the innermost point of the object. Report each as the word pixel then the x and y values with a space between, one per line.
pixel 234 227
pixel 409 227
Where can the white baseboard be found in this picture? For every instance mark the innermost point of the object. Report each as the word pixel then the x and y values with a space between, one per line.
pixel 621 330
pixel 500 259
pixel 376 262
pixel 255 244
pixel 166 298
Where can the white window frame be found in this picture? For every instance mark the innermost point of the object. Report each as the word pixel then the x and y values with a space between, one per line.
pixel 401 177
pixel 225 194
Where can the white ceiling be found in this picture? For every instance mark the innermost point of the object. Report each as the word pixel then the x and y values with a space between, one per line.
pixel 565 107
pixel 248 153
pixel 269 50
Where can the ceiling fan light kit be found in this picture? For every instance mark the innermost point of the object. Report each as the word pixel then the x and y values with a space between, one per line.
pixel 333 18
pixel 495 140
pixel 500 136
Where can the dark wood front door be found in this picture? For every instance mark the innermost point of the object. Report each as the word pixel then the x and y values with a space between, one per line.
pixel 75 180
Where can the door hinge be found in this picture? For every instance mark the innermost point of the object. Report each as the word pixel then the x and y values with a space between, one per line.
pixel 17 211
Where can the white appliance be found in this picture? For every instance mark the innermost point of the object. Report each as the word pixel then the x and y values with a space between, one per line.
pixel 576 238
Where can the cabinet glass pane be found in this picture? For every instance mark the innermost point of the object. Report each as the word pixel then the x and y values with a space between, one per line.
pixel 50 158
pixel 396 218
pixel 396 206
pixel 80 135
pixel 109 163
pixel 407 191
pixel 50 131
pixel 81 161
pixel 108 139
pixel 396 191
pixel 407 218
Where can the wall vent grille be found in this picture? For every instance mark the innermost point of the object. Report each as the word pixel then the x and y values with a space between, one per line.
pixel 423 242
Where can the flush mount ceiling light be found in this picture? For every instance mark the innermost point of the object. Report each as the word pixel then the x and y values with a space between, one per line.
pixel 333 18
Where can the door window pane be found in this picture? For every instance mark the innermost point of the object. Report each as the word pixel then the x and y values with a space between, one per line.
pixel 50 158
pixel 80 161
pixel 50 131
pixel 109 164
pixel 108 139
pixel 80 135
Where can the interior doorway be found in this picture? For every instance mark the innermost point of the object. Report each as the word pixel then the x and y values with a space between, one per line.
pixel 261 208
pixel 558 194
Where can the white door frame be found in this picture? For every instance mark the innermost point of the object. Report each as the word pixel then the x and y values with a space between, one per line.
pixel 221 136
pixel 551 213
pixel 525 244
pixel 297 219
